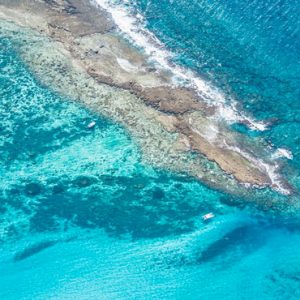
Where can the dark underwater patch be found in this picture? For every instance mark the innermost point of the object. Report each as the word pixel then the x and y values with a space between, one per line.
pixel 33 189
pixel 243 238
pixel 128 206
pixel 58 189
pixel 84 181
pixel 158 193
pixel 32 250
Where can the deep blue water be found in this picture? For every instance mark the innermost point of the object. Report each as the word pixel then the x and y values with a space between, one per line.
pixel 83 218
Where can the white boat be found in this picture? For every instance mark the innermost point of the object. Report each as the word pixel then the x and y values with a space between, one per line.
pixel 91 125
pixel 208 216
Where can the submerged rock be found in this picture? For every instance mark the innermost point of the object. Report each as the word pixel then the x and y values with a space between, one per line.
pixel 84 181
pixel 158 193
pixel 33 189
pixel 57 189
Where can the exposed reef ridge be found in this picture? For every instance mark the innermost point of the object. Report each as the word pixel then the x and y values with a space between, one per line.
pixel 76 49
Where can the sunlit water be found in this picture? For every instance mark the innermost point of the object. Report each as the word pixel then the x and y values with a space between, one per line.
pixel 83 218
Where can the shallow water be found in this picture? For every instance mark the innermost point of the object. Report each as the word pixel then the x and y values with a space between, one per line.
pixel 83 218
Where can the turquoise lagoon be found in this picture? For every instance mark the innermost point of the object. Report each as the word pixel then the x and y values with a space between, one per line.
pixel 82 217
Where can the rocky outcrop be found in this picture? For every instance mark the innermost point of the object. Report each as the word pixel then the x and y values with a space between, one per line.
pixel 168 122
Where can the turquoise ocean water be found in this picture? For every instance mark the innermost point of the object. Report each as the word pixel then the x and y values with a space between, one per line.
pixel 82 217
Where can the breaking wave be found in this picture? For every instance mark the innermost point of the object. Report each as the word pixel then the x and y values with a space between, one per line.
pixel 133 27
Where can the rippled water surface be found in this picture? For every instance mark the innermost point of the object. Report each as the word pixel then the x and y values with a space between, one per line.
pixel 82 217
pixel 249 49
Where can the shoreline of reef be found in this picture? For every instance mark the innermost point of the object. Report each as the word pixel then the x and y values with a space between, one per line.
pixel 91 62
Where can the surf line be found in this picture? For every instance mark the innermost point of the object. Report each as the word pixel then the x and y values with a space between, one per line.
pixel 133 28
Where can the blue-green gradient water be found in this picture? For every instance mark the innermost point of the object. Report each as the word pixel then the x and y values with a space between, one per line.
pixel 82 218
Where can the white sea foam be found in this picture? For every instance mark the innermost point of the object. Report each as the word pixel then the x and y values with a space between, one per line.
pixel 210 133
pixel 267 168
pixel 282 152
pixel 126 65
pixel 271 169
pixel 133 26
